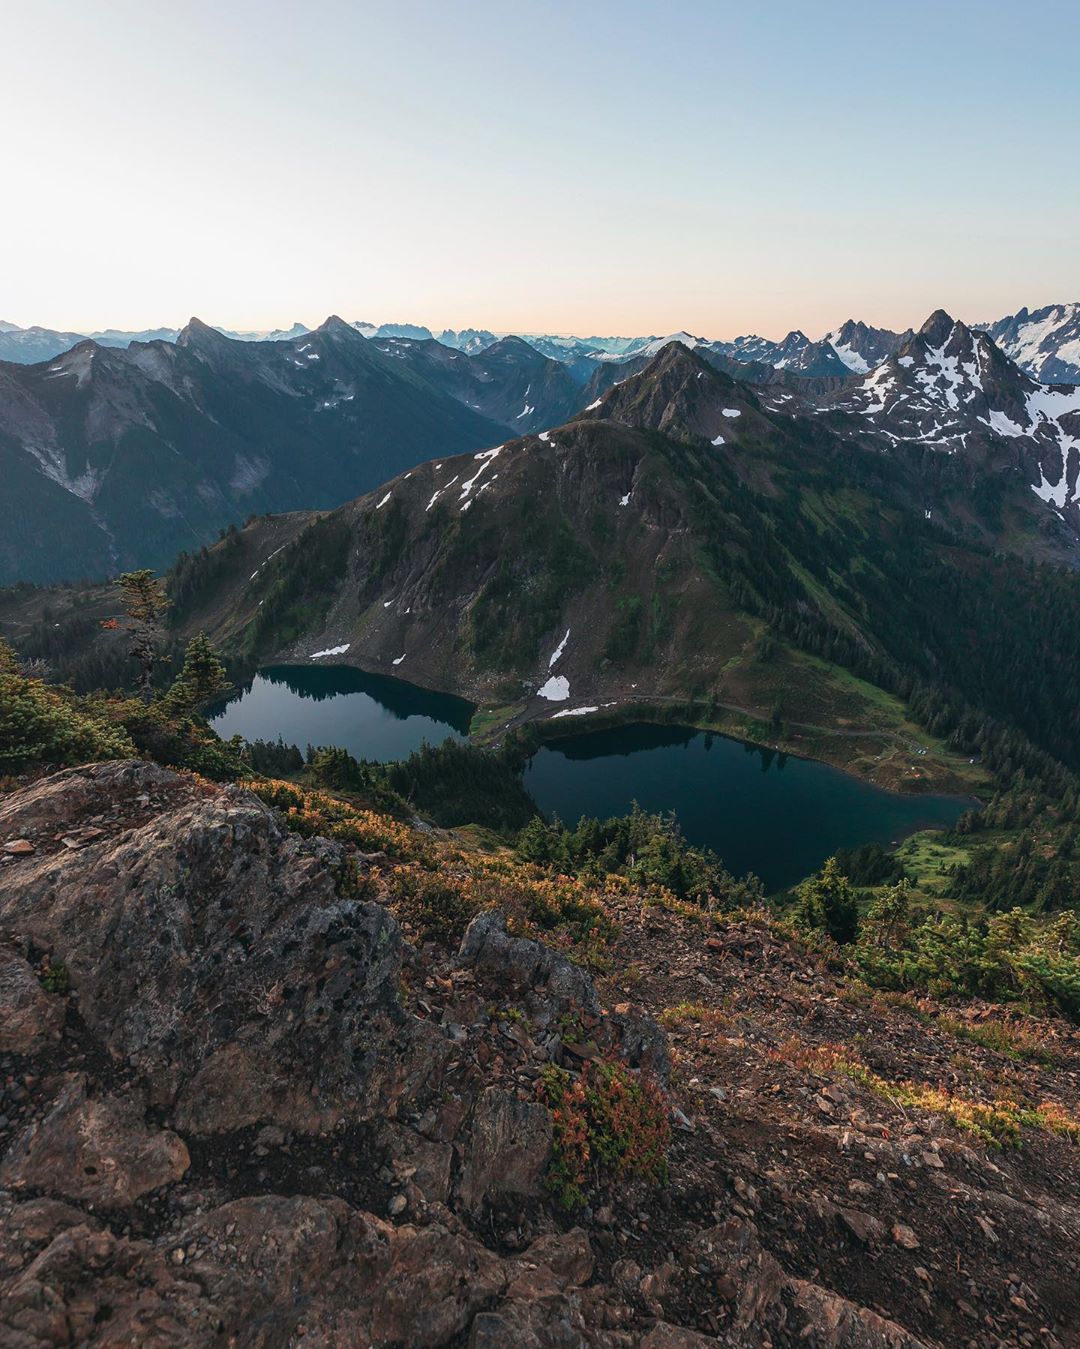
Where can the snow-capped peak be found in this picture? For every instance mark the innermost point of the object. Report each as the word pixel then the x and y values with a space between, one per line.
pixel 950 388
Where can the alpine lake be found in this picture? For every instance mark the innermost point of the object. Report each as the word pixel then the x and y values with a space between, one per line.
pixel 765 812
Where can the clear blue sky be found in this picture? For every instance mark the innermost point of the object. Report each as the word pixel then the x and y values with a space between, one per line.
pixel 594 167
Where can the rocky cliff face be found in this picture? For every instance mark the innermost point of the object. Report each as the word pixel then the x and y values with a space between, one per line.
pixel 244 1103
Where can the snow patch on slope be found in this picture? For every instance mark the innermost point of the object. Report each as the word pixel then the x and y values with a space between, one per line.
pixel 559 649
pixel 555 690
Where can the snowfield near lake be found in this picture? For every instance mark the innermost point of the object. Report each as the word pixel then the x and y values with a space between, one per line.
pixel 556 690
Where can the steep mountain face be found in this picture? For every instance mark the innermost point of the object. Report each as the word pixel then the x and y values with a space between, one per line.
pixel 607 374
pixel 113 458
pixel 509 382
pixel 579 357
pixel 798 355
pixel 1045 343
pixel 861 347
pixel 950 388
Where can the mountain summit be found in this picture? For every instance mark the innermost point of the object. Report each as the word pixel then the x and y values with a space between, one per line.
pixel 861 347
pixel 679 394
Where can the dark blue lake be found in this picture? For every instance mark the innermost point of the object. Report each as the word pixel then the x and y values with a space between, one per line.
pixel 372 716
pixel 777 816
pixel 769 813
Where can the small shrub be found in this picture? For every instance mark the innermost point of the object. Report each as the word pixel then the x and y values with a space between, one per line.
pixel 55 978
pixel 610 1124
pixel 1018 1040
pixel 434 905
pixel 308 813
pixel 826 903
pixel 999 1122
pixel 683 1012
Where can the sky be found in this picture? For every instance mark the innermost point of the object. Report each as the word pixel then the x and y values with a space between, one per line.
pixel 537 165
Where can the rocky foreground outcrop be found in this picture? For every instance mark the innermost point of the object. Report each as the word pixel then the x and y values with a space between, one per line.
pixel 239 1107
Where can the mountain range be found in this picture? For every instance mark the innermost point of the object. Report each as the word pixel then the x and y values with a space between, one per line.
pixel 1045 343
pixel 124 455
pixel 26 346
pixel 650 544
pixel 951 388
pixel 113 457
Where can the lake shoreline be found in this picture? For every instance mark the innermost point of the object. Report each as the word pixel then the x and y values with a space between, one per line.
pixel 833 746
pixel 775 814
pixel 638 714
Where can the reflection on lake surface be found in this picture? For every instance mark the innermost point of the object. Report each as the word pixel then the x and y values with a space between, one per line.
pixel 372 716
pixel 769 813
pixel 777 816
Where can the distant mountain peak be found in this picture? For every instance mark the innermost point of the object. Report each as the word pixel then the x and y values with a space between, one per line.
pixel 196 333
pixel 334 324
pixel 861 347
pixel 511 342
pixel 675 355
pixel 938 328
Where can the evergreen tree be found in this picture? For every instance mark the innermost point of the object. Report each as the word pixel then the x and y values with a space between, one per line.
pixel 888 918
pixel 826 902
pixel 145 604
pixel 201 677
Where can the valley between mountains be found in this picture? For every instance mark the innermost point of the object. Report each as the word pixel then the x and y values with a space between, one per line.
pixel 850 575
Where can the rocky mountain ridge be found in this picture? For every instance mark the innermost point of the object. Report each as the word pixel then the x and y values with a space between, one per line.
pixel 796 353
pixel 861 347
pixel 1044 342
